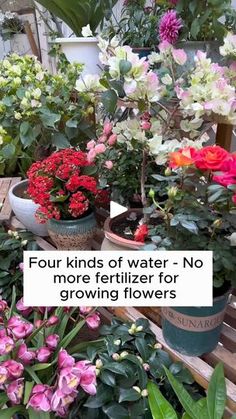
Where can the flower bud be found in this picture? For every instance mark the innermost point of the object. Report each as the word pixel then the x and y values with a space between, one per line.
pixel 97 372
pixel 117 342
pixel 144 393
pixel 146 367
pixel 139 329
pixel 124 354
pixel 140 359
pixel 168 172
pixel 137 389
pixel 116 357
pixel 217 223
pixel 10 232
pixel 172 192
pixel 151 194
pixel 24 242
pixel 157 346
pixel 99 364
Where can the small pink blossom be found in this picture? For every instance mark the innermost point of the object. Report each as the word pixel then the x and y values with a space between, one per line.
pixel 179 56
pixel 19 328
pixel 87 376
pixel 40 399
pixel 25 311
pixel 25 355
pixel 14 369
pixel 38 323
pixel 93 321
pixel 108 164
pixel 60 402
pixel 102 139
pixel 91 144
pixel 107 128
pixel 85 310
pixel 170 25
pixel 15 391
pixel 21 266
pixel 65 360
pixel 68 380
pixel 112 139
pixel 43 354
pixel 100 148
pixel 91 155
pixel 146 125
pixel 6 345
pixel 3 306
pixel 52 321
pixel 52 341
pixel 164 46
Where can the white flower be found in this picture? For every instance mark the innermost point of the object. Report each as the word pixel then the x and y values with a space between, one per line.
pixel 86 31
pixel 166 79
pixel 89 83
pixel 229 47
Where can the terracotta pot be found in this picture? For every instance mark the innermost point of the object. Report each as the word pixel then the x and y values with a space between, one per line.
pixel 119 241
pixel 73 234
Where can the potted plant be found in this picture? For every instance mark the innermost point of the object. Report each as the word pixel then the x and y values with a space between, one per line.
pixel 10 25
pixel 65 189
pixel 83 18
pixel 39 376
pixel 199 214
pixel 197 26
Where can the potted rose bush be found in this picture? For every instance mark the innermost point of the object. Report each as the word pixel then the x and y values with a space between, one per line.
pixel 199 214
pixel 65 189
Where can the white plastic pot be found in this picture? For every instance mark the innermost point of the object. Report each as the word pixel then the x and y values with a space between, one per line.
pixel 82 50
pixel 25 209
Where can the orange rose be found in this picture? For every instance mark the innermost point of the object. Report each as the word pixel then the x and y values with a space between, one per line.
pixel 183 157
pixel 211 158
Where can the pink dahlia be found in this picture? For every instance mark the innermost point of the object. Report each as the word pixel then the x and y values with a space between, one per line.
pixel 170 25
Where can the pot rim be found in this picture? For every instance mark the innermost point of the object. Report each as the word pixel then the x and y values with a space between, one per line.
pixel 12 189
pixel 199 42
pixel 69 222
pixel 76 39
pixel 113 237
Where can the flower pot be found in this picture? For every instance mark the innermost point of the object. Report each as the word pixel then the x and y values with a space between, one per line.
pixel 113 240
pixel 194 331
pixel 191 48
pixel 73 234
pixel 82 50
pixel 25 209
pixel 142 52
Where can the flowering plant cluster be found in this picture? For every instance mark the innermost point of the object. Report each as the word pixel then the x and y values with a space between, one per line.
pixel 199 212
pixel 228 49
pixel 38 112
pixel 62 185
pixel 37 374
pixel 10 25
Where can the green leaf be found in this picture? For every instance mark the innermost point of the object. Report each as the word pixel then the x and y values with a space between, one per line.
pixel 216 394
pixel 60 141
pixel 72 123
pixel 37 415
pixel 40 367
pixel 142 348
pixel 71 335
pixel 116 367
pixel 190 226
pixel 160 407
pixel 129 395
pixel 28 387
pixel 11 411
pixel 125 66
pixel 185 399
pixel 116 411
pixel 109 100
pixel 89 170
pixel 8 151
pixel 27 135
pixel 3 399
pixel 104 395
pixel 32 374
pixel 49 119
pixel 107 378
pixel 195 28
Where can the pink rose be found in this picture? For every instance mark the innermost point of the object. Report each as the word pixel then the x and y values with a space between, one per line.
pixel 93 321
pixel 91 155
pixel 108 164
pixel 91 144
pixel 15 391
pixel 43 354
pixel 25 311
pixel 65 360
pixel 25 355
pixel 87 377
pixel 179 56
pixel 112 139
pixel 19 328
pixel 107 128
pixel 6 345
pixel 40 398
pixel 225 179
pixel 100 148
pixel 52 341
pixel 102 139
pixel 14 369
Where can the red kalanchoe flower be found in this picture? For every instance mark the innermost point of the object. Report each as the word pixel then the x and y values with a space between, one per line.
pixel 79 204
pixel 141 233
pixel 170 25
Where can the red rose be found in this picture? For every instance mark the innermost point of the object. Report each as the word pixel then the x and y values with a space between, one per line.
pixel 141 233
pixel 211 158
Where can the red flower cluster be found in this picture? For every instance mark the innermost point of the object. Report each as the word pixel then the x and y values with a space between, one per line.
pixel 212 159
pixel 59 186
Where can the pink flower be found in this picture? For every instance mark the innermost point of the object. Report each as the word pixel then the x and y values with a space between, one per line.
pixel 146 125
pixel 100 148
pixel 21 266
pixel 15 390
pixel 60 402
pixel 88 376
pixel 6 345
pixel 170 26
pixel 65 360
pixel 3 375
pixel 52 341
pixel 40 398
pixel 91 155
pixel 85 310
pixel 25 311
pixel 234 199
pixel 102 139
pixel 25 355
pixel 3 306
pixel 19 328
pixel 107 128
pixel 93 321
pixel 14 369
pixel 91 144
pixel 225 179
pixel 164 46
pixel 43 354
pixel 69 380
pixel 179 56
pixel 108 164
pixel 52 321
pixel 112 139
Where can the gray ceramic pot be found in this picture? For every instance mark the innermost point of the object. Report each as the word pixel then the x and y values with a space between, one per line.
pixel 191 47
pixel 25 209
pixel 73 234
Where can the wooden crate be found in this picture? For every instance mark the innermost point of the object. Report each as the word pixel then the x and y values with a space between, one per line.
pixel 201 368
pixel 5 208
